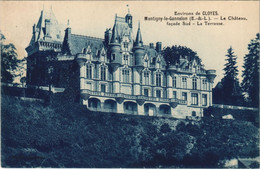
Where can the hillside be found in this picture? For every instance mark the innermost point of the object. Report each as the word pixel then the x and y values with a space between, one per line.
pixel 36 135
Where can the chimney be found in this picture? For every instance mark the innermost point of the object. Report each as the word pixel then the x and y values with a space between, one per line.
pixel 34 28
pixel 47 27
pixel 68 33
pixel 158 47
pixel 108 35
pixel 34 32
pixel 151 45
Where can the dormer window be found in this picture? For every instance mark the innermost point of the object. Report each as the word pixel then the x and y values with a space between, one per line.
pixel 125 59
pixel 126 45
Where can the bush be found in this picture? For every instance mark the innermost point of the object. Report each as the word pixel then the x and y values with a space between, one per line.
pixel 71 136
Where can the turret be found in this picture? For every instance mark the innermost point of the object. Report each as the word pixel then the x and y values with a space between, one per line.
pixel 138 48
pixel 114 47
pixel 211 74
pixel 129 19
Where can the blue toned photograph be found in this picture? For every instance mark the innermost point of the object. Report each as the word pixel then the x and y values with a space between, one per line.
pixel 129 84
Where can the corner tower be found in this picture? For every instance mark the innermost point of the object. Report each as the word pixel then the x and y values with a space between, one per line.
pixel 47 38
pixel 129 19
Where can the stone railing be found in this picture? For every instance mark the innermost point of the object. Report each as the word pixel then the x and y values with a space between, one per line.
pixel 131 97
pixel 234 107
pixel 187 70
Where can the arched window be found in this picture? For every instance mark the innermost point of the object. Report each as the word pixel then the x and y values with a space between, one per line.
pixel 89 71
pixel 125 73
pixel 103 73
pixel 158 79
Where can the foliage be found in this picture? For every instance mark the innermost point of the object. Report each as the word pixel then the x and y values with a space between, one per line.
pixel 68 135
pixel 8 60
pixel 173 54
pixel 250 83
pixel 230 90
pixel 20 70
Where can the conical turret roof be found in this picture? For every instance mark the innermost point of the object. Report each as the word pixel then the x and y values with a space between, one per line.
pixel 138 41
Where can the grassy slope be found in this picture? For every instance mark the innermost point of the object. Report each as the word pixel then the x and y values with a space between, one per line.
pixel 68 135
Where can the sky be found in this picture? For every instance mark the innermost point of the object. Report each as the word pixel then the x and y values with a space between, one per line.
pixel 92 18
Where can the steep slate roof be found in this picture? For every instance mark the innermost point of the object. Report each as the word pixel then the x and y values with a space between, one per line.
pixel 78 42
pixel 122 28
pixel 56 29
pixel 152 53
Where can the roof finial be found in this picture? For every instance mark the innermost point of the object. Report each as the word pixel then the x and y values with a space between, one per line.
pixel 138 24
pixel 68 24
pixel 128 8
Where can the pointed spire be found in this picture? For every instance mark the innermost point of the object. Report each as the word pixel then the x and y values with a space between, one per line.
pixel 68 23
pixel 114 38
pixel 139 41
pixel 128 8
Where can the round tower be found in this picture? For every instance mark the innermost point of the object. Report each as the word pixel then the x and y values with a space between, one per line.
pixel 114 48
pixel 139 50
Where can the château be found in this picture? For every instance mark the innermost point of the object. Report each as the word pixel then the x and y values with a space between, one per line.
pixel 117 73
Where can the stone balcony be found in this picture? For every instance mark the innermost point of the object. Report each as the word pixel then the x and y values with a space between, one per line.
pixel 188 71
pixel 86 93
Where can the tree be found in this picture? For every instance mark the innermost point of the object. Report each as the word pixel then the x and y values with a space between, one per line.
pixel 174 53
pixel 231 88
pixel 250 83
pixel 20 71
pixel 8 60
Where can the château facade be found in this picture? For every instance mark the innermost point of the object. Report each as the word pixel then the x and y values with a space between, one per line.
pixel 118 73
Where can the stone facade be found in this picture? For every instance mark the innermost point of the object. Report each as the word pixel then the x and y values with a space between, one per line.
pixel 120 74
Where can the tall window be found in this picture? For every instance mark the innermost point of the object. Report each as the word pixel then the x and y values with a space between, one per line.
pixel 174 94
pixel 113 56
pixel 204 100
pixel 125 75
pixel 158 93
pixel 174 81
pixel 184 95
pixel 204 84
pixel 146 92
pixel 146 77
pixel 158 79
pixel 194 98
pixel 126 59
pixel 194 84
pixel 89 71
pixel 103 73
pixel 184 82
pixel 103 88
